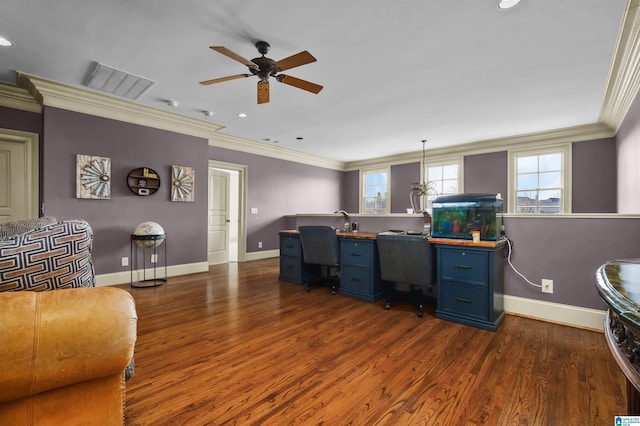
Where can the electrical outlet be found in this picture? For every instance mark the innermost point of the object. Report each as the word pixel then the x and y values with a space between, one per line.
pixel 125 261
pixel 547 286
pixel 154 258
pixel 259 244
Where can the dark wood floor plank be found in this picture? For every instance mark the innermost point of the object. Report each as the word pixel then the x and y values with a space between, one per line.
pixel 236 346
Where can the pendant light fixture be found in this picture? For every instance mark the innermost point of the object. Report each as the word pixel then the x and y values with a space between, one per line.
pixel 420 191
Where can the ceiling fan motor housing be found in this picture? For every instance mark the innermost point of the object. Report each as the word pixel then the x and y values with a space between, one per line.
pixel 263 47
pixel 266 68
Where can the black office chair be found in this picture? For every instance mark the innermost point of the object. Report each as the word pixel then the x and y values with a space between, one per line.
pixel 320 247
pixel 407 260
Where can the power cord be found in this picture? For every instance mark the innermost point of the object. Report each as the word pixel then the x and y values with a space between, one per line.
pixel 509 252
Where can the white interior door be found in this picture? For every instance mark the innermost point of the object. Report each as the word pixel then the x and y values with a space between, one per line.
pixel 18 176
pixel 218 232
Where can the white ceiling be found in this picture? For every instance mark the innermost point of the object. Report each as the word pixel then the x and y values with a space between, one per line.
pixel 394 71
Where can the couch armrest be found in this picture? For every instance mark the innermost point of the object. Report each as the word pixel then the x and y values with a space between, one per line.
pixel 56 338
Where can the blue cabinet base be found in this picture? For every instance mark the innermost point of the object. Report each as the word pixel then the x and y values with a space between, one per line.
pixel 462 319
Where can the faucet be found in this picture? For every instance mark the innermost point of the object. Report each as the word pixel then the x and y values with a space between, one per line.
pixel 347 221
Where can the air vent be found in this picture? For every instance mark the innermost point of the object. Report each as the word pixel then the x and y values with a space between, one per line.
pixel 117 82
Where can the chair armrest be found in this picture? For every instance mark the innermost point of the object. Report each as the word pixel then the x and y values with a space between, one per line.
pixel 56 338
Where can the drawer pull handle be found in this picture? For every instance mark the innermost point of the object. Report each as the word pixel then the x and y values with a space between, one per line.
pixel 355 280
pixel 355 255
pixel 463 266
pixel 460 299
pixel 289 246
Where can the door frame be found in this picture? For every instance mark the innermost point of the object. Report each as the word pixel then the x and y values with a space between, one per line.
pixel 31 142
pixel 242 202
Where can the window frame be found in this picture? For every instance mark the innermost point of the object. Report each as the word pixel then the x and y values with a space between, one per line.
pixel 566 173
pixel 362 191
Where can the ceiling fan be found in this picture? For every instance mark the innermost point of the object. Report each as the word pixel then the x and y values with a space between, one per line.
pixel 264 68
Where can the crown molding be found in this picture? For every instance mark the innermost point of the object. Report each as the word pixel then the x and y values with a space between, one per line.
pixel 235 143
pixel 624 74
pixel 537 139
pixel 59 95
pixel 15 97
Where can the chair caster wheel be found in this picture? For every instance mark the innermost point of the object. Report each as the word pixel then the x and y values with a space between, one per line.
pixel 333 292
pixel 420 312
pixel 387 306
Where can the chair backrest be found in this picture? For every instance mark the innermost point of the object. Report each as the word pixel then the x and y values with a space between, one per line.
pixel 406 259
pixel 320 245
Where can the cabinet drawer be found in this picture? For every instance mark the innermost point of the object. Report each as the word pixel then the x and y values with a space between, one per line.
pixel 463 299
pixel 290 267
pixel 290 246
pixel 356 280
pixel 356 253
pixel 464 265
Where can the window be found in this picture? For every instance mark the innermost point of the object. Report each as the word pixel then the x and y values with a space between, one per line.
pixel 445 178
pixel 540 181
pixel 375 191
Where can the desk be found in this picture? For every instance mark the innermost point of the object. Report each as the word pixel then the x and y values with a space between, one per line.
pixel 618 283
pixel 359 264
pixel 470 276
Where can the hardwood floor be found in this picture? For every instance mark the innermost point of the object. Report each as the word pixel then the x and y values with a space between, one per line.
pixel 236 346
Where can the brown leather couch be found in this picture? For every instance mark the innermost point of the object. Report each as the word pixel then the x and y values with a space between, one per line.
pixel 63 354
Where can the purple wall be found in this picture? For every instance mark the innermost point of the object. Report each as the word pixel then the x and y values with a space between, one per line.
pixel 24 121
pixel 278 188
pixel 569 251
pixel 129 146
pixel 487 173
pixel 594 177
pixel 350 201
pixel 402 176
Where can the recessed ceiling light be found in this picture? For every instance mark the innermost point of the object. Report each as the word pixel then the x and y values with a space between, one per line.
pixel 5 42
pixel 208 113
pixel 172 104
pixel 242 115
pixel 507 4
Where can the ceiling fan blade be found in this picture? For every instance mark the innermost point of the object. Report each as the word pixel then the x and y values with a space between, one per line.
pixel 221 79
pixel 263 92
pixel 299 83
pixel 234 56
pixel 296 60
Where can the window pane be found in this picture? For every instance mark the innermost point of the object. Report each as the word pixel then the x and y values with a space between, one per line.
pixel 550 162
pixel 435 173
pixel 370 191
pixel 450 171
pixel 550 180
pixel 369 179
pixel 450 187
pixel 527 181
pixel 528 164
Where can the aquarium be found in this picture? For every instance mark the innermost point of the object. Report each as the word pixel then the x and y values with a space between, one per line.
pixel 463 215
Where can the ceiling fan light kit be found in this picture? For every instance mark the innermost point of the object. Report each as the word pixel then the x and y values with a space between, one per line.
pixel 264 67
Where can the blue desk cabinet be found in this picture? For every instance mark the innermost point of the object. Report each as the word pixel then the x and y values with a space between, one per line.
pixel 292 266
pixel 360 269
pixel 471 284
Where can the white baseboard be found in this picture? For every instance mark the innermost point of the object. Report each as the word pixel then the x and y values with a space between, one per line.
pixel 555 312
pixel 172 271
pixel 258 255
